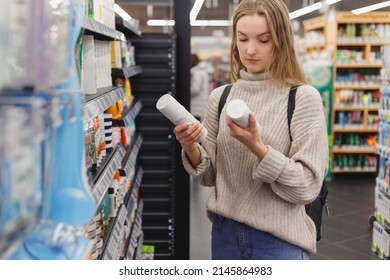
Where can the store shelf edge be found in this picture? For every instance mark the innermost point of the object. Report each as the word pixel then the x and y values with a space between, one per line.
pixel 101 31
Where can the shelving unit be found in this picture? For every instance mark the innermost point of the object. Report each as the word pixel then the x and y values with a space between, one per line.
pixel 101 101
pixel 127 72
pixel 107 173
pixel 355 41
pixel 129 115
pixel 120 229
pixel 315 55
pixel 381 227
pixel 317 33
pixel 101 31
pixel 127 27
pixel 77 175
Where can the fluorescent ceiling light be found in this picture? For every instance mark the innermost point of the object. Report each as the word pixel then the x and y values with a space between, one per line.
pixel 331 2
pixel 195 9
pixel 160 22
pixel 371 8
pixel 165 22
pixel 122 13
pixel 211 23
pixel 306 10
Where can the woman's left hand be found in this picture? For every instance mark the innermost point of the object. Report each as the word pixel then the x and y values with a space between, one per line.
pixel 249 136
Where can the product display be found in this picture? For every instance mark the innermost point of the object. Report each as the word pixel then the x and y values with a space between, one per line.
pixel 50 208
pixel 357 41
pixel 89 165
pixel 381 237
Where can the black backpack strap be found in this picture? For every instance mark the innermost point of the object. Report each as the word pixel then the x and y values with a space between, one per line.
pixel 291 108
pixel 223 98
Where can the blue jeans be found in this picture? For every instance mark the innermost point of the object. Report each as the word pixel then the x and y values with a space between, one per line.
pixel 231 240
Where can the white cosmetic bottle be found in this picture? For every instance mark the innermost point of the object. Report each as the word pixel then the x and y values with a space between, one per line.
pixel 238 111
pixel 176 112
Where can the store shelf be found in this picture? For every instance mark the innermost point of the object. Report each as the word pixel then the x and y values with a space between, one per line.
pixel 130 157
pixel 383 114
pixel 94 176
pixel 315 46
pixel 104 98
pixel 360 170
pixel 113 235
pixel 101 31
pixel 133 207
pixel 128 72
pixel 130 200
pixel 133 240
pixel 383 186
pixel 314 23
pixel 353 151
pixel 355 108
pixel 356 65
pixel 357 87
pixel 381 226
pixel 127 26
pixel 355 130
pixel 383 151
pixel 138 250
pixel 381 240
pixel 129 115
pixel 342 43
pixel 104 179
pixel 136 183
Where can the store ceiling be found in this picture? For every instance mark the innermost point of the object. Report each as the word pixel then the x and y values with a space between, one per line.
pixel 217 10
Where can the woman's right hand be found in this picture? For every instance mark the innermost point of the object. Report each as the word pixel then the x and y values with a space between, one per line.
pixel 188 135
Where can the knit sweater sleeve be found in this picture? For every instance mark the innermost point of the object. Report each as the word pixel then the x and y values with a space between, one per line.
pixel 298 177
pixel 205 172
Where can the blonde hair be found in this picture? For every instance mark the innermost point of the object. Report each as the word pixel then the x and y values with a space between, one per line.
pixel 284 66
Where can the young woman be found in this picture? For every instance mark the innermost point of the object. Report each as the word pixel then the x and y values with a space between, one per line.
pixel 262 180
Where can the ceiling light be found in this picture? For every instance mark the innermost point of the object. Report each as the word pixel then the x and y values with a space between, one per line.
pixel 122 13
pixel 211 23
pixel 160 22
pixel 306 10
pixel 165 22
pixel 371 8
pixel 195 9
pixel 331 2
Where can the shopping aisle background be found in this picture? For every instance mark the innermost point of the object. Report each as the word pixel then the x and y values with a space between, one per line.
pixel 347 232
pixel 200 225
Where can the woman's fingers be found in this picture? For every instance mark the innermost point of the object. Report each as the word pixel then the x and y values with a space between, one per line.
pixel 188 133
pixel 193 136
pixel 181 127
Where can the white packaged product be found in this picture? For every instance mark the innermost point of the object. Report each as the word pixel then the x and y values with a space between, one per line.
pixel 238 111
pixel 176 112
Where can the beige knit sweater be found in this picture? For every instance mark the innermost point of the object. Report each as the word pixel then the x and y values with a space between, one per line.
pixel 269 195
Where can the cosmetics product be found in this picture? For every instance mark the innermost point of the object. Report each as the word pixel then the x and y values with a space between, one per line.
pixel 238 111
pixel 111 195
pixel 176 112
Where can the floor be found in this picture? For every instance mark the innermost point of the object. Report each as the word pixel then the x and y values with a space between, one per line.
pixel 347 232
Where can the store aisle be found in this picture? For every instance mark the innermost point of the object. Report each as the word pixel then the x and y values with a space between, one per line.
pixel 200 225
pixel 346 233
